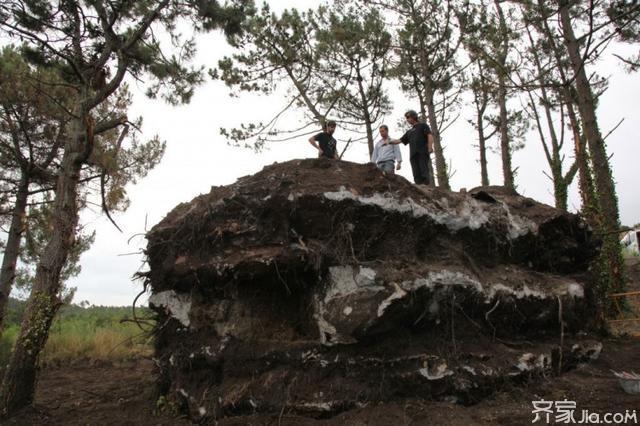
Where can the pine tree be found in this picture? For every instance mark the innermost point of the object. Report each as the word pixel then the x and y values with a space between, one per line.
pixel 427 65
pixel 31 135
pixel 489 37
pixel 354 46
pixel 284 57
pixel 94 46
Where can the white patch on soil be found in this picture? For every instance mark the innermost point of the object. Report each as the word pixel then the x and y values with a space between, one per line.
pixel 470 370
pixel 316 406
pixel 525 291
pixel 529 362
pixel 443 278
pixel 349 287
pixel 398 294
pixel 328 334
pixel 438 372
pixel 590 350
pixel 490 291
pixel 177 305
pixel 575 290
pixel 468 215
pixel 518 225
pixel 566 288
pixel 345 281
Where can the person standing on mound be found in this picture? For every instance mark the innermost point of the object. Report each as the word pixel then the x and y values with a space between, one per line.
pixel 386 155
pixel 325 143
pixel 420 141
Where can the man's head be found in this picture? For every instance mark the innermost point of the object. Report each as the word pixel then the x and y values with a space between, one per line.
pixel 411 116
pixel 330 127
pixel 384 131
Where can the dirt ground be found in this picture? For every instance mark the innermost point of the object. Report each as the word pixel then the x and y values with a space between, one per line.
pixel 123 394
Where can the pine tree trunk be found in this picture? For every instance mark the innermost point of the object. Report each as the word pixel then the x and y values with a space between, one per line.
pixel 605 188
pixel 365 113
pixel 430 114
pixel 12 248
pixel 505 146
pixel 441 162
pixel 560 184
pixel 553 153
pixel 369 129
pixel 481 100
pixel 560 188
pixel 19 382
pixel 423 113
pixel 484 173
pixel 585 180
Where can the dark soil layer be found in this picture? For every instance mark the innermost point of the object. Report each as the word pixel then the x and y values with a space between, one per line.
pixel 123 394
pixel 326 286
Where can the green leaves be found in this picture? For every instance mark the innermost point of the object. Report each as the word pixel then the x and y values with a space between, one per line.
pixel 354 51
pixel 35 105
pixel 333 62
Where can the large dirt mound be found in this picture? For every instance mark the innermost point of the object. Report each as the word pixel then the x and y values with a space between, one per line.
pixel 322 285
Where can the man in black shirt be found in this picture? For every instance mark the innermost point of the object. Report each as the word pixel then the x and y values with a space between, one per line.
pixel 325 143
pixel 420 140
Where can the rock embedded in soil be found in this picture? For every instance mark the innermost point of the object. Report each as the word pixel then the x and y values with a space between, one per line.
pixel 318 286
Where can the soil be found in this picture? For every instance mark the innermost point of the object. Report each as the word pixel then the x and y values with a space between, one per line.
pixel 124 394
pixel 254 284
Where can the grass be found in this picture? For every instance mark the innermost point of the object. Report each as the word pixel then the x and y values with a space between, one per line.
pixel 95 334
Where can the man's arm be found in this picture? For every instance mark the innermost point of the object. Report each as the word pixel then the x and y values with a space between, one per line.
pixel 312 141
pixel 404 139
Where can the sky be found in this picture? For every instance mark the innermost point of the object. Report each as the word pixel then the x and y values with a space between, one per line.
pixel 197 157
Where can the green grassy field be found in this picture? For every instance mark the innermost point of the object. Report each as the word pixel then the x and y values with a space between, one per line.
pixel 95 333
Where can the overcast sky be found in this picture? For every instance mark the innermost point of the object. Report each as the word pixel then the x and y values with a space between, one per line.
pixel 197 158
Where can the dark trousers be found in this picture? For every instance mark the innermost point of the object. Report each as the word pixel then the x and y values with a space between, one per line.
pixel 420 168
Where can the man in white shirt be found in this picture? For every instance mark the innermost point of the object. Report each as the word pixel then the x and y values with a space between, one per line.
pixel 385 154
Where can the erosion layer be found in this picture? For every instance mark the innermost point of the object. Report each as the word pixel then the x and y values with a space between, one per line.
pixel 317 286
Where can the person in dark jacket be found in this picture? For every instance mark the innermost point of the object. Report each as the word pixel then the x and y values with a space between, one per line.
pixel 420 141
pixel 325 143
